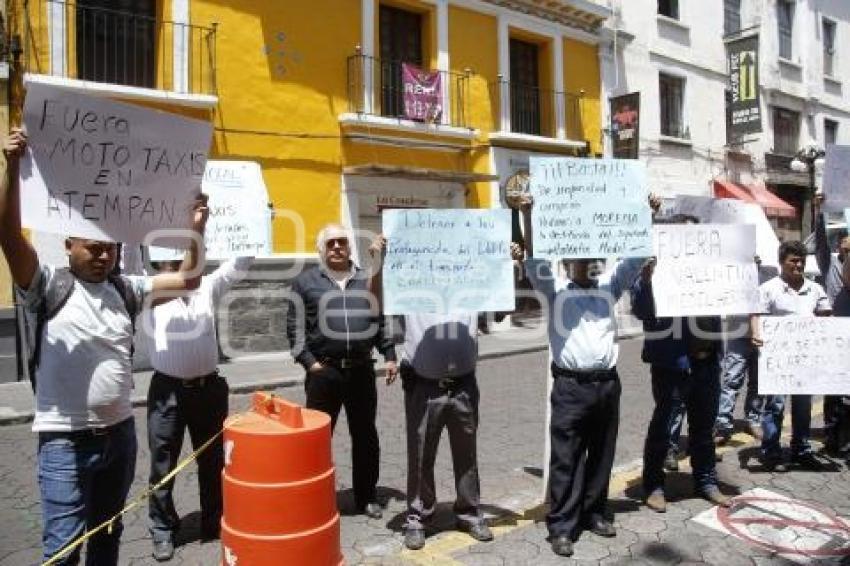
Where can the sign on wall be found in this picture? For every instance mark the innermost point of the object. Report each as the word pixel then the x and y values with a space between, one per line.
pixel 705 269
pixel 743 105
pixel 445 261
pixel 590 208
pixel 422 93
pixel 836 178
pixel 800 355
pixel 625 125
pixel 106 170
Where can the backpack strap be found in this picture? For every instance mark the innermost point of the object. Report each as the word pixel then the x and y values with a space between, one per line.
pixel 58 290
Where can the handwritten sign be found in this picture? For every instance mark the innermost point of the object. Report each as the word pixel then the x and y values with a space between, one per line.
pixel 590 208
pixel 836 178
pixel 106 170
pixel 705 269
pixel 804 355
pixel 447 261
pixel 731 211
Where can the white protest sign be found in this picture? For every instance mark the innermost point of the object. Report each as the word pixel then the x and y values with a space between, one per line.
pixel 836 178
pixel 804 355
pixel 732 211
pixel 590 208
pixel 447 261
pixel 106 170
pixel 704 269
pixel 239 223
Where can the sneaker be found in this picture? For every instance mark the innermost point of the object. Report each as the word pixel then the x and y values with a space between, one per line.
pixel 414 539
pixel 714 495
pixel 808 461
pixel 671 461
pixel 163 550
pixel 656 501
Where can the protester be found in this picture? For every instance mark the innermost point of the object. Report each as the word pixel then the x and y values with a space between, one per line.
pixel 683 354
pixel 186 391
pixel 790 293
pixel 82 372
pixel 586 390
pixel 332 325
pixel 739 365
pixel 836 408
pixel 440 391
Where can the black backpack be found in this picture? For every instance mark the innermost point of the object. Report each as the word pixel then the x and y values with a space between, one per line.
pixel 56 295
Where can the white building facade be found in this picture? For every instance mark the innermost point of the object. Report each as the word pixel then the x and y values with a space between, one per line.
pixel 674 52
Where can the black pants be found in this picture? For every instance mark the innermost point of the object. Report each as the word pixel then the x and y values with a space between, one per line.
pixel 585 418
pixel 173 407
pixel 330 389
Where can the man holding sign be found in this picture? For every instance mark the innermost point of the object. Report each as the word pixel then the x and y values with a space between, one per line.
pixel 790 293
pixel 82 368
pixel 586 390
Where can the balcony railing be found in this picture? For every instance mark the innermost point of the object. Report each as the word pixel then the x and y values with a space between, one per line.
pixel 79 41
pixel 539 112
pixel 377 88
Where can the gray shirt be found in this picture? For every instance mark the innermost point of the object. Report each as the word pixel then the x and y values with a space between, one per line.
pixel 440 346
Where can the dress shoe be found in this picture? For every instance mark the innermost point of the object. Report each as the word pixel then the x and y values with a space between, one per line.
pixel 562 545
pixel 713 494
pixel 774 464
pixel 479 531
pixel 656 501
pixel 671 461
pixel 808 461
pixel 210 532
pixel 373 510
pixel 163 550
pixel 598 525
pixel 414 539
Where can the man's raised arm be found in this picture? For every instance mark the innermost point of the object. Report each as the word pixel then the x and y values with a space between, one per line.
pixel 188 277
pixel 22 258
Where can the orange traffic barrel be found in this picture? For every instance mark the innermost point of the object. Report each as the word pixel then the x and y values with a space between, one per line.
pixel 278 487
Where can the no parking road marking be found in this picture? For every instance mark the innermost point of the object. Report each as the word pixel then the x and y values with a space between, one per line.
pixel 797 530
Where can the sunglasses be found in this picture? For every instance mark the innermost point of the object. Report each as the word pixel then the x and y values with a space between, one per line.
pixel 333 242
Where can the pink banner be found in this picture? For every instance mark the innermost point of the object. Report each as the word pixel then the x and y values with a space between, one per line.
pixel 422 93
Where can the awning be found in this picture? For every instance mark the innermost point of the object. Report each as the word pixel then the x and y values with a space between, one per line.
pixel 758 194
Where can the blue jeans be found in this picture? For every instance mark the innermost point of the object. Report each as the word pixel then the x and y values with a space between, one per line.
pixel 771 422
pixel 84 480
pixel 699 390
pixel 740 363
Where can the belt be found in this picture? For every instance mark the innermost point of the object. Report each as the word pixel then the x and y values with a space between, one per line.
pixel 446 383
pixel 585 376
pixel 191 383
pixel 347 363
pixel 100 432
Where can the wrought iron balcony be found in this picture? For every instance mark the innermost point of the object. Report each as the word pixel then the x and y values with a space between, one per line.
pixel 538 112
pixel 87 41
pixel 378 87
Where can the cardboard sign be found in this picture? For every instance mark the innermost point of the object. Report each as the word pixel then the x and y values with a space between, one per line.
pixel 836 178
pixel 590 208
pixel 804 355
pixel 106 170
pixel 705 269
pixel 447 261
pixel 732 211
pixel 239 223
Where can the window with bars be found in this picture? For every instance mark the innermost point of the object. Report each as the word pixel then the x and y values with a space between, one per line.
pixel 669 8
pixel 671 94
pixel 786 131
pixel 731 16
pixel 828 47
pixel 525 87
pixel 830 132
pixel 400 36
pixel 116 41
pixel 785 24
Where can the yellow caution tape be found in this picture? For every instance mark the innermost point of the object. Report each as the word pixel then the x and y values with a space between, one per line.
pixel 108 524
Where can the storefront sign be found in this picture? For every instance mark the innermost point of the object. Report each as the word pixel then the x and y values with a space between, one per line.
pixel 101 169
pixel 446 261
pixel 743 109
pixel 625 125
pixel 705 269
pixel 422 93
pixel 590 208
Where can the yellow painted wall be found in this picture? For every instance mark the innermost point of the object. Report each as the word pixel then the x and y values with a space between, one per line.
pixel 581 72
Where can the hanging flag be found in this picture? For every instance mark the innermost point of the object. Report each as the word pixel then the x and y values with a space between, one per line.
pixel 422 93
pixel 743 105
pixel 625 125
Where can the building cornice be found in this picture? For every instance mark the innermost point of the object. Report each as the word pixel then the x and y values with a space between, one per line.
pixel 580 14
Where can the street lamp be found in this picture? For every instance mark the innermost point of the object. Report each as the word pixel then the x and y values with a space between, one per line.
pixel 808 159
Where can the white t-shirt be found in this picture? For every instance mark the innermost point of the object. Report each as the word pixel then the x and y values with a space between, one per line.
pixel 180 334
pixel 85 373
pixel 779 298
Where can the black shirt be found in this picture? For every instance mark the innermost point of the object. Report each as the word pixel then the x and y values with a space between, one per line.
pixel 332 322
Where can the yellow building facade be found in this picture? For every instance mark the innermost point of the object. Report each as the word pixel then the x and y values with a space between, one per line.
pixel 314 91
